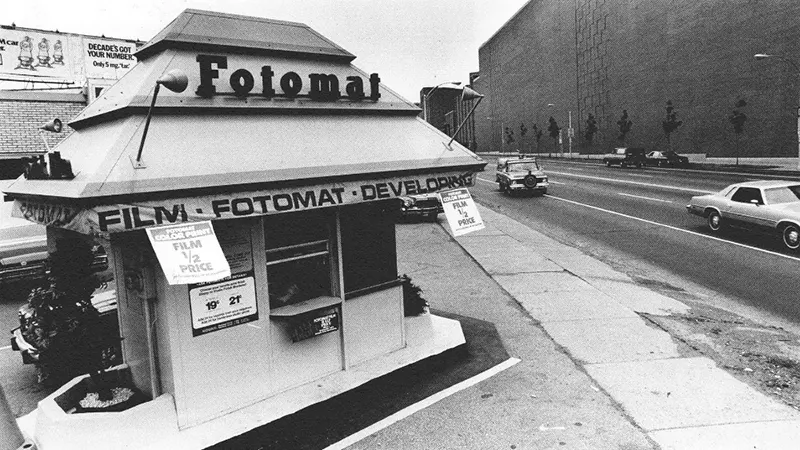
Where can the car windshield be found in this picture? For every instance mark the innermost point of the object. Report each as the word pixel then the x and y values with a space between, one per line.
pixel 786 194
pixel 519 166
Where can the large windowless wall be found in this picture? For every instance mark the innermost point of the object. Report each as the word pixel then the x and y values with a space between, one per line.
pixel 601 57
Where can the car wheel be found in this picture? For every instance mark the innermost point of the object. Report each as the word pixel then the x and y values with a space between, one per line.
pixel 623 165
pixel 714 221
pixel 500 187
pixel 608 163
pixel 638 165
pixel 791 237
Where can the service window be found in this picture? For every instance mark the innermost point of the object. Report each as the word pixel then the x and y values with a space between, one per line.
pixel 299 256
pixel 369 252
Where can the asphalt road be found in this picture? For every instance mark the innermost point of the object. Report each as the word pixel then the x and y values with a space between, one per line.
pixel 640 215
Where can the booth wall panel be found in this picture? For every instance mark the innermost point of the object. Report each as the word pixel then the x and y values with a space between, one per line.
pixel 373 325
pixel 298 363
pixel 224 370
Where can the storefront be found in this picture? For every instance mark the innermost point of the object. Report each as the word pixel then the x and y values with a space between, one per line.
pixel 291 159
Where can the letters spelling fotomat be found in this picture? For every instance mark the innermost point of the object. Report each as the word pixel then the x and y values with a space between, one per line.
pixel 323 87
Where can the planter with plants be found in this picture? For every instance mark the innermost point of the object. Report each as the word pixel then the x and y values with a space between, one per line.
pixel 69 335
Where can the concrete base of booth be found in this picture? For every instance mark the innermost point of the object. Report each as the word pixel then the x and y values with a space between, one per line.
pixel 426 335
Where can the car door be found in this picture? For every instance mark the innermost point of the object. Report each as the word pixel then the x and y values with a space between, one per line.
pixel 746 209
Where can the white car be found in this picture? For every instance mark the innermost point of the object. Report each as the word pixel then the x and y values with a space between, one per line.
pixel 771 207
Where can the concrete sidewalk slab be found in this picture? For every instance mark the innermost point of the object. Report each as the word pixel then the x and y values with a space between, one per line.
pixel 686 392
pixel 612 340
pixel 525 284
pixel 779 435
pixel 638 298
pixel 493 253
pixel 576 306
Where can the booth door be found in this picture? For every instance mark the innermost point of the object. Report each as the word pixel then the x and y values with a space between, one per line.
pixel 305 307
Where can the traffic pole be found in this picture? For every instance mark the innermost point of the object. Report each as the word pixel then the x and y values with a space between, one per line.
pixel 10 435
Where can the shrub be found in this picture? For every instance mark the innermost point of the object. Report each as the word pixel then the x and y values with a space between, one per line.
pixel 413 302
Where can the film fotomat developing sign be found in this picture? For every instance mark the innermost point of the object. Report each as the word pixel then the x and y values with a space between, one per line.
pixel 125 217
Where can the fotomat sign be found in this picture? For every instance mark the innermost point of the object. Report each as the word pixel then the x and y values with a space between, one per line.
pixel 267 83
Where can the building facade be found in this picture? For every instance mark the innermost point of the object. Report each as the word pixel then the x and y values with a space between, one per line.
pixel 649 59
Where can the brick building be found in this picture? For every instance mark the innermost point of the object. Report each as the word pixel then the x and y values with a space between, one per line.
pixel 556 58
pixel 21 115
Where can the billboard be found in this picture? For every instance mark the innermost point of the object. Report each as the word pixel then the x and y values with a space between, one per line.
pixel 32 55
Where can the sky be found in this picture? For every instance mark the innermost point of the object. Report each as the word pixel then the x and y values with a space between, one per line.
pixel 410 43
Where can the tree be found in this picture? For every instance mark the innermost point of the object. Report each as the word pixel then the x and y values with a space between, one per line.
pixel 737 119
pixel 509 137
pixel 625 125
pixel 670 123
pixel 591 129
pixel 522 132
pixel 555 131
pixel 537 133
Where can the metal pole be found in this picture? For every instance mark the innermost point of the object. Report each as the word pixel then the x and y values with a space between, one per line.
pixel 798 135
pixel 569 134
pixel 465 120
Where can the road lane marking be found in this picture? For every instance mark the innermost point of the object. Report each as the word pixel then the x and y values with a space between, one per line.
pixel 674 228
pixel 646 198
pixel 639 175
pixel 486 181
pixel 639 183
pixel 5 348
pixel 405 412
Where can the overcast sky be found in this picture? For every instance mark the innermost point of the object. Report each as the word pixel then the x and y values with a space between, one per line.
pixel 410 43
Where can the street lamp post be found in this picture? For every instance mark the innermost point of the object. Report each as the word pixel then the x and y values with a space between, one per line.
pixel 453 85
pixel 760 56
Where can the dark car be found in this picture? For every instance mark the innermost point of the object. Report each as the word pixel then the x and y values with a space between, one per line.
pixel 666 159
pixel 421 206
pixel 626 156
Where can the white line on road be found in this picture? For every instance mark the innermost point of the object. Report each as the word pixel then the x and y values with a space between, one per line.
pixel 645 198
pixel 675 228
pixel 405 412
pixel 638 175
pixel 486 181
pixel 5 348
pixel 677 188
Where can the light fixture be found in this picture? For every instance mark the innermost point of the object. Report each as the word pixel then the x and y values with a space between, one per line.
pixel 54 126
pixel 466 94
pixel 176 81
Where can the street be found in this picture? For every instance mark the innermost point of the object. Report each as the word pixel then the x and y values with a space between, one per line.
pixel 637 220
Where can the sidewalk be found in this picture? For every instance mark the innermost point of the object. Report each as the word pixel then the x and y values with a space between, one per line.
pixel 593 375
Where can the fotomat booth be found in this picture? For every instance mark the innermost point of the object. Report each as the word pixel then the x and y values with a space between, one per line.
pixel 292 159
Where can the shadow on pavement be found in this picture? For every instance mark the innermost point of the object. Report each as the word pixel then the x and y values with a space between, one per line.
pixel 328 422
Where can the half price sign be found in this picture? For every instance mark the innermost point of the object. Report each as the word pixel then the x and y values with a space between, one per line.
pixel 461 211
pixel 189 253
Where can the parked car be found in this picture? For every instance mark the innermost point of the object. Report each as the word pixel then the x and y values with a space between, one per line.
pixel 625 156
pixel 523 174
pixel 666 159
pixel 421 206
pixel 771 207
